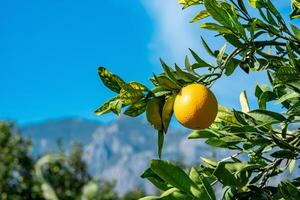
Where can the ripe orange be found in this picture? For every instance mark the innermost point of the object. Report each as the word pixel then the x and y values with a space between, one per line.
pixel 195 106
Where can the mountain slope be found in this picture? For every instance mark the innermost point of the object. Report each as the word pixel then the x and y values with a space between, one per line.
pixel 120 150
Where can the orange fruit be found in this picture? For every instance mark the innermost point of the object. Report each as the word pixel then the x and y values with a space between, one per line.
pixel 195 106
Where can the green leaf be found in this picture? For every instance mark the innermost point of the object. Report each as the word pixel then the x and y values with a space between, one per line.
pixel 216 27
pixel 167 112
pixel 225 115
pixel 244 102
pixel 153 113
pixel 229 193
pixel 187 77
pixel 255 3
pixel 165 82
pixel 292 165
pixel 296 9
pixel 232 39
pixel 201 62
pixel 221 54
pixel 129 95
pixel 242 6
pixel 209 162
pixel 244 118
pixel 155 180
pixel 168 71
pixel 217 12
pixel 206 133
pixel 171 194
pixel 106 107
pixel 284 154
pixel 265 97
pixel 113 82
pixel 296 31
pixel 231 66
pixel 289 191
pixel 266 116
pixel 217 143
pixel 160 142
pixel 136 109
pixel 134 85
pixel 116 106
pixel 207 48
pixel 288 96
pixel 224 175
pixel 208 192
pixel 173 175
pixel 201 15
pixel 187 3
pixel 188 66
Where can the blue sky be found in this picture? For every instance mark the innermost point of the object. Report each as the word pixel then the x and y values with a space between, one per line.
pixel 50 52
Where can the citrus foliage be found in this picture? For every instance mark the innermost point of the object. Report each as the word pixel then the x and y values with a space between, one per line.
pixel 51 177
pixel 265 143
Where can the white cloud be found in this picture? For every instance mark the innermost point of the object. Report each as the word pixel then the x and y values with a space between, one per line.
pixel 173 34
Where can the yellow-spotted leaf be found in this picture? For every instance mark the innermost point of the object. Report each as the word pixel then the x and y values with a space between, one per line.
pixel 116 106
pixel 112 81
pixel 130 95
pixel 136 109
pixel 187 3
pixel 135 85
pixel 106 107
pixel 201 15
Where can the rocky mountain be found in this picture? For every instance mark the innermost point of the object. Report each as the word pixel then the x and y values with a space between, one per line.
pixel 120 150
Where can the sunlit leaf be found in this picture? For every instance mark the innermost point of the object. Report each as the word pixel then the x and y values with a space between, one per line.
pixel 110 80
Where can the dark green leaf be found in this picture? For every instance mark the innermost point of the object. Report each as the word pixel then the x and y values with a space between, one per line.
pixel 154 111
pixel 207 48
pixel 231 66
pixel 208 192
pixel 217 12
pixel 242 6
pixel 232 39
pixel 187 77
pixel 284 154
pixel 167 112
pixel 266 116
pixel 289 191
pixel 155 180
pixel 225 176
pixel 217 143
pixel 165 82
pixel 201 62
pixel 173 175
pixel 168 71
pixel 160 142
pixel 265 97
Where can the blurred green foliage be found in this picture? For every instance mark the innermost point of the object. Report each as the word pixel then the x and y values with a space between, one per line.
pixel 62 176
